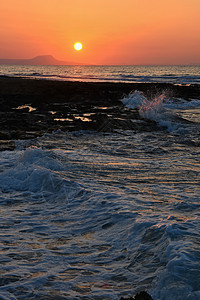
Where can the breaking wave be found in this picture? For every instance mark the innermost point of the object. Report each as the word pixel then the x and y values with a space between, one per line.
pixel 37 173
pixel 161 109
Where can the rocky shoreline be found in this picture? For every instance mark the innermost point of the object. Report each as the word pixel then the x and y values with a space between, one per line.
pixel 31 107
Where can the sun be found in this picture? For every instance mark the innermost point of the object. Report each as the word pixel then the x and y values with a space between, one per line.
pixel 78 46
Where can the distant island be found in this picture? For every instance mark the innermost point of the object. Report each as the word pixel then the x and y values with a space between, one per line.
pixel 38 60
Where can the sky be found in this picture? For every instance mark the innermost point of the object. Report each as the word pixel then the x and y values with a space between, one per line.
pixel 130 32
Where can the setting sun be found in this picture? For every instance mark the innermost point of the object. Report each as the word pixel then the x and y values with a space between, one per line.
pixel 85 32
pixel 78 46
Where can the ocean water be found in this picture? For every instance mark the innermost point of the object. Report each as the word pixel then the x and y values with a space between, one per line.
pixel 93 215
pixel 170 74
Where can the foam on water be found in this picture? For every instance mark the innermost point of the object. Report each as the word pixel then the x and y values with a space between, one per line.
pixel 89 215
pixel 100 216
pixel 161 109
pixel 36 173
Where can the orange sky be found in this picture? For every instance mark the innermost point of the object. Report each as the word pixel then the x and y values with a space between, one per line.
pixel 112 31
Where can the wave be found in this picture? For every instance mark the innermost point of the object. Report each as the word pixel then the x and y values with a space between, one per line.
pixel 167 78
pixel 162 109
pixel 136 229
pixel 122 78
pixel 36 172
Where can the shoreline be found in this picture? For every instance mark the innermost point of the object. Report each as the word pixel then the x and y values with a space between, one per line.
pixel 44 102
pixel 32 107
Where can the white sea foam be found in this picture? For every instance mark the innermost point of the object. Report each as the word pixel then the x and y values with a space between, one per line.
pixel 101 216
pixel 148 109
pixel 161 109
pixel 38 172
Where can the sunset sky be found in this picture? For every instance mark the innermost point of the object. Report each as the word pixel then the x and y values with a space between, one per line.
pixel 111 31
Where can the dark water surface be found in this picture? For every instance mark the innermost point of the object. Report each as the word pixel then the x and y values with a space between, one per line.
pixel 167 74
pixel 88 215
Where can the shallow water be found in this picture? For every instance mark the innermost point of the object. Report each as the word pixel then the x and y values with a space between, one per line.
pixel 88 215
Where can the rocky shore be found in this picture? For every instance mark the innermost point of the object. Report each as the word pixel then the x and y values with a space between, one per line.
pixel 30 107
pixel 139 296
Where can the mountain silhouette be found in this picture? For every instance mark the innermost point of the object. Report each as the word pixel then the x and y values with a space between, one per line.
pixel 38 60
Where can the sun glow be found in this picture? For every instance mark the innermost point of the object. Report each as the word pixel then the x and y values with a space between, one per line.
pixel 78 46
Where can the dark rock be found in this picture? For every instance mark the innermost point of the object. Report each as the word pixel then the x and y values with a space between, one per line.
pixel 139 296
pixel 58 104
pixel 143 296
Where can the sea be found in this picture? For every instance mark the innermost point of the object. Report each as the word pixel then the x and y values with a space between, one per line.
pixel 96 215
pixel 169 74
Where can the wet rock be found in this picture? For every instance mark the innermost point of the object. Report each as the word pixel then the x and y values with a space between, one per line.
pixel 139 296
pixel 62 105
